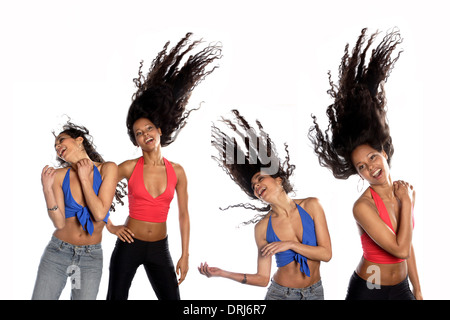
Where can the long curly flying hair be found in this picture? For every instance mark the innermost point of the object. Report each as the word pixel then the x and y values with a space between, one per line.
pixel 358 113
pixel 162 95
pixel 75 131
pixel 241 165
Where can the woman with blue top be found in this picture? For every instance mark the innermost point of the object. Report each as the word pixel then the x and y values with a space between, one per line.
pixel 295 231
pixel 78 196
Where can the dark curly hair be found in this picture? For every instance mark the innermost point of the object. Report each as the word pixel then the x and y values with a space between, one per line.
pixel 358 113
pixel 163 94
pixel 75 131
pixel 260 154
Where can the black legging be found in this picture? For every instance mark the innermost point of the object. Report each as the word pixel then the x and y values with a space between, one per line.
pixel 358 289
pixel 155 256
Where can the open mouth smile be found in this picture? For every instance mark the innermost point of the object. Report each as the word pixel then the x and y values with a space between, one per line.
pixel 61 152
pixel 377 174
pixel 261 191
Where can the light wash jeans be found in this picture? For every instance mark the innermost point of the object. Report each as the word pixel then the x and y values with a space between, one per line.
pixel 278 292
pixel 61 260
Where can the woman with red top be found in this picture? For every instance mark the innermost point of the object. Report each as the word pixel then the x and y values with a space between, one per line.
pixel 358 141
pixel 155 117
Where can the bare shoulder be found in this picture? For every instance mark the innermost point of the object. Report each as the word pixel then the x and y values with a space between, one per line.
pixel 261 227
pixel 107 166
pixel 263 222
pixel 127 163
pixel 126 168
pixel 308 202
pixel 311 205
pixel 363 205
pixel 61 172
pixel 176 166
pixel 60 175
pixel 179 170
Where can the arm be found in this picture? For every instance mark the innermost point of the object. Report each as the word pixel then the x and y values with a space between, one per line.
pixel 367 217
pixel 98 205
pixel 183 216
pixel 121 231
pixel 321 252
pixel 125 169
pixel 414 276
pixel 261 278
pixel 54 197
pixel 412 267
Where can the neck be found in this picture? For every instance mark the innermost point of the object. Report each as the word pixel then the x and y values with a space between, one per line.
pixel 153 157
pixel 282 205
pixel 385 190
pixel 74 162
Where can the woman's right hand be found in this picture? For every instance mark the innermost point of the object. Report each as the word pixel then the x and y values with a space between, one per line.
pixel 404 191
pixel 48 177
pixel 209 271
pixel 122 232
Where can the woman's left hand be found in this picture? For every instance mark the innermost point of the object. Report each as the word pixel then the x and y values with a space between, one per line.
pixel 275 247
pixel 182 268
pixel 84 169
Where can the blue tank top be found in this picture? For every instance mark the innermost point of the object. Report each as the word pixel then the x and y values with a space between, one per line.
pixel 72 208
pixel 308 238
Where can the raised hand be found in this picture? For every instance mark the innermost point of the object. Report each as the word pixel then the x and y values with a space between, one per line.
pixel 48 177
pixel 404 191
pixel 84 169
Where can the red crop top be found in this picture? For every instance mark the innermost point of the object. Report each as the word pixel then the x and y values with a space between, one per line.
pixel 142 205
pixel 372 251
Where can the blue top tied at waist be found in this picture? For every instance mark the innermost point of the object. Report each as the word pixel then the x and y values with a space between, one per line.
pixel 72 208
pixel 308 238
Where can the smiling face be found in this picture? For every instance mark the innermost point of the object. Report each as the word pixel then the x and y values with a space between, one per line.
pixel 371 164
pixel 147 136
pixel 265 187
pixel 68 148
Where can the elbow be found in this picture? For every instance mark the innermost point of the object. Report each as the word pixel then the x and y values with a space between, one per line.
pixel 259 280
pixel 101 215
pixel 402 253
pixel 327 256
pixel 183 216
pixel 264 281
pixel 59 225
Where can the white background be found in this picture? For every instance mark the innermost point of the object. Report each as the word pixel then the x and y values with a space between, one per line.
pixel 79 58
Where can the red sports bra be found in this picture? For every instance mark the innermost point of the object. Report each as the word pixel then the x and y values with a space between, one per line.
pixel 142 205
pixel 372 251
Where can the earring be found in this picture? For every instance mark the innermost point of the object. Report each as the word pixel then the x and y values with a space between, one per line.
pixel 359 184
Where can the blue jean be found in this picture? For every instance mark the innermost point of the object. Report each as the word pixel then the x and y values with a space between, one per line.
pixel 61 260
pixel 278 292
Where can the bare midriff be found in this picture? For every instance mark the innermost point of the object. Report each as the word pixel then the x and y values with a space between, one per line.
pixel 147 231
pixel 73 233
pixel 387 274
pixel 291 276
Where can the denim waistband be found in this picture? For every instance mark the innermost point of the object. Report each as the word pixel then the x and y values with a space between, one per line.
pixel 63 244
pixel 302 290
